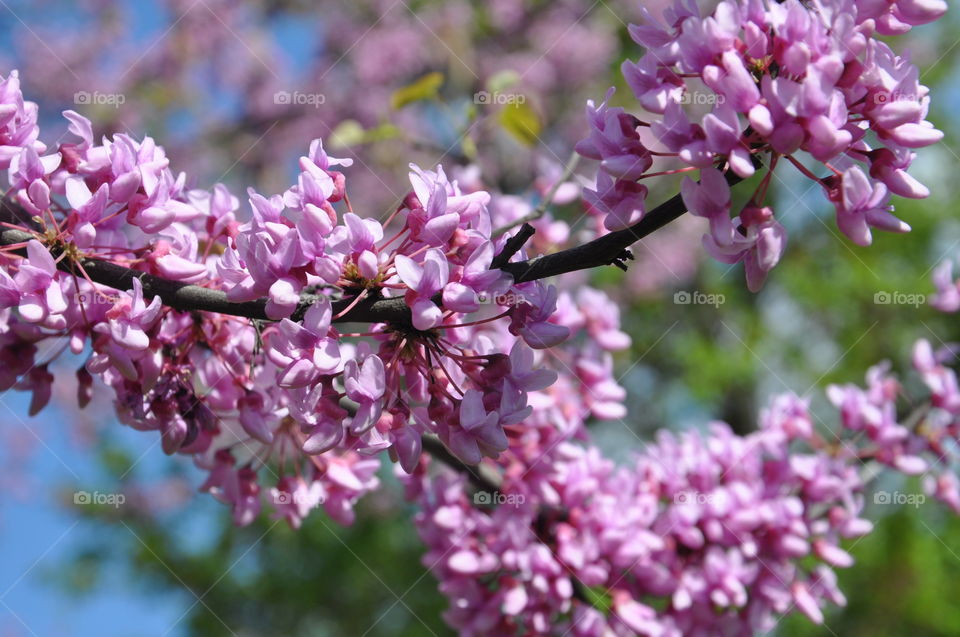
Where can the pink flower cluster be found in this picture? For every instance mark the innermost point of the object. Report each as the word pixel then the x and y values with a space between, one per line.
pixel 705 533
pixel 241 396
pixel 777 79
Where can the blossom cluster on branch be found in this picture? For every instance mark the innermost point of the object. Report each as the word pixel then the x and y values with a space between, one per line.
pixel 779 78
pixel 705 533
pixel 238 394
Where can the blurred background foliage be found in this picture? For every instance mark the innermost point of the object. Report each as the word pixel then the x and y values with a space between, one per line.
pixel 201 80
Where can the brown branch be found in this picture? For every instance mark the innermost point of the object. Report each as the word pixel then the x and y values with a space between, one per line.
pixel 191 298
pixel 606 250
pixel 513 246
pixel 610 249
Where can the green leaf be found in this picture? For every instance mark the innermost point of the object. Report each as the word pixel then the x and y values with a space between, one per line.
pixel 469 148
pixel 348 133
pixel 381 133
pixel 351 133
pixel 598 597
pixel 471 111
pixel 520 120
pixel 116 460
pixel 502 81
pixel 425 88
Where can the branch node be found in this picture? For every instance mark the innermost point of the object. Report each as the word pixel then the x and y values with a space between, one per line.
pixel 513 246
pixel 621 259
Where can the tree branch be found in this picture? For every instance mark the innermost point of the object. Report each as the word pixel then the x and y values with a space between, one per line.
pixel 610 249
pixel 605 250
pixel 185 297
pixel 513 246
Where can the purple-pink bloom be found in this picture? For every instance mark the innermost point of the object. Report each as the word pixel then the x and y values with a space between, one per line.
pixel 130 318
pixel 365 384
pixel 40 294
pixel 755 238
pixel 423 282
pixel 861 204
pixel 479 432
pixel 305 351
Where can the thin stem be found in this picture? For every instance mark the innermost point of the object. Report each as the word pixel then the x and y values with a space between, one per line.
pixel 610 249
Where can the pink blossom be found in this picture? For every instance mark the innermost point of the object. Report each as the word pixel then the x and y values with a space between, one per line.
pixel 862 204
pixel 365 384
pixel 41 297
pixel 306 351
pixel 947 298
pixel 424 281
pixel 479 433
pixel 614 141
pixel 130 318
pixel 755 238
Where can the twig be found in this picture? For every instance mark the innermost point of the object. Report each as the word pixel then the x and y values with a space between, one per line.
pixel 605 250
pixel 513 246
pixel 610 249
